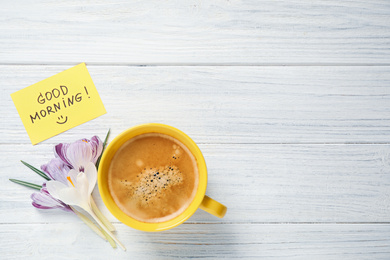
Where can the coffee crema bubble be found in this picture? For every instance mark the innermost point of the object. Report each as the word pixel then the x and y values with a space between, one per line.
pixel 151 183
pixel 153 177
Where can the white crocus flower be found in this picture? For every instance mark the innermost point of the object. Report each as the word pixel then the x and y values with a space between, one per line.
pixel 77 192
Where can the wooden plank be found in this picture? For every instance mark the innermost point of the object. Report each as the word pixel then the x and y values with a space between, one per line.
pixel 193 32
pixel 227 104
pixel 258 183
pixel 248 241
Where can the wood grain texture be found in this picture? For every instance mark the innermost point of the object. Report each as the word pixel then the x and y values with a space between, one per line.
pixel 258 183
pixel 243 241
pixel 227 104
pixel 195 32
pixel 289 102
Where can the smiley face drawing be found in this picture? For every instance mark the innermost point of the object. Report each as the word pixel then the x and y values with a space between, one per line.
pixel 62 118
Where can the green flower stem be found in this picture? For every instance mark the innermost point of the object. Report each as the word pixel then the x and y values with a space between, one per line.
pixel 90 211
pixel 110 240
pixel 104 147
pixel 100 215
pixel 39 172
pixel 95 228
pixel 89 223
pixel 27 184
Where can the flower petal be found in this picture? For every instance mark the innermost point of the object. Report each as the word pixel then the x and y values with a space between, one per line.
pixel 83 187
pixel 91 174
pixel 73 176
pixel 43 200
pixel 79 154
pixel 71 196
pixel 77 196
pixel 56 169
pixel 60 152
pixel 97 148
pixel 53 187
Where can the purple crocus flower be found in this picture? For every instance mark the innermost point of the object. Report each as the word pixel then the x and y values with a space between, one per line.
pixel 74 165
pixel 68 156
pixel 43 200
pixel 56 170
pixel 78 154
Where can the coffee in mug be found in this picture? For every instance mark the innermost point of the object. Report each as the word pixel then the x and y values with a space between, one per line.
pixel 153 177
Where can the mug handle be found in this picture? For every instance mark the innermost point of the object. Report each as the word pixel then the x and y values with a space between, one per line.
pixel 213 207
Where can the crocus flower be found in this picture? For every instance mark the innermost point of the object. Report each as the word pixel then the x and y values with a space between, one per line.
pixel 78 154
pixel 77 192
pixel 74 164
pixel 43 200
pixel 78 189
pixel 56 170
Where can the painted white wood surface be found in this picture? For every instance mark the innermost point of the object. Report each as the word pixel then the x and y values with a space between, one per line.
pixel 251 104
pixel 289 102
pixel 259 183
pixel 195 32
pixel 242 241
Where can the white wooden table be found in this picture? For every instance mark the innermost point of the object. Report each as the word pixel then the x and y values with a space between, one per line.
pixel 288 100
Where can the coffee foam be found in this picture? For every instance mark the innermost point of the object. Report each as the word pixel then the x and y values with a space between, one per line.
pixel 153 178
pixel 153 183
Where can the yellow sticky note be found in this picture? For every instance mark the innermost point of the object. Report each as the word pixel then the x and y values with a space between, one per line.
pixel 58 103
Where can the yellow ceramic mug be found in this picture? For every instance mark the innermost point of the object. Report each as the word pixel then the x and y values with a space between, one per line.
pixel 200 200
